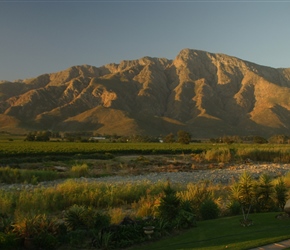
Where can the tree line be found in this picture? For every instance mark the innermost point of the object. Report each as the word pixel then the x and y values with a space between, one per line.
pixel 182 136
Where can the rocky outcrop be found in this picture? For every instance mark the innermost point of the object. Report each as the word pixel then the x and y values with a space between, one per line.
pixel 204 93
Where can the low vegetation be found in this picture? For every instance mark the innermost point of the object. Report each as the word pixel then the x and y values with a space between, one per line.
pixel 77 212
pixel 114 215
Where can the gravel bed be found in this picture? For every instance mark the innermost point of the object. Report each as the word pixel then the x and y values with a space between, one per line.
pixel 224 176
pixel 218 175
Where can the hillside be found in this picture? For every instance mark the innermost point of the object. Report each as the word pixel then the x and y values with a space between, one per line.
pixel 207 94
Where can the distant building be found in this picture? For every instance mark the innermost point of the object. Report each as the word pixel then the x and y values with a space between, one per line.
pixel 97 138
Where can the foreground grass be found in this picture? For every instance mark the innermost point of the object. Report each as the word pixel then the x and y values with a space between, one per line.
pixel 226 233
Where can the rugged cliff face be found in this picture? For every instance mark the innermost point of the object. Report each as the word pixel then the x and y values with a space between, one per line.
pixel 206 94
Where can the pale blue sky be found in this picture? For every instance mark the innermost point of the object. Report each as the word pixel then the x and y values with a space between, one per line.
pixel 38 37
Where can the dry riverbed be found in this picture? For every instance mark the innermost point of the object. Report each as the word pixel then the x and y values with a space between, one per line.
pixel 177 172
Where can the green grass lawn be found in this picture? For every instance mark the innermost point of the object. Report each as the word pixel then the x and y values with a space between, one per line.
pixel 226 233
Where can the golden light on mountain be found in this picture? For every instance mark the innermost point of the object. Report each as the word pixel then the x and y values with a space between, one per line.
pixel 204 93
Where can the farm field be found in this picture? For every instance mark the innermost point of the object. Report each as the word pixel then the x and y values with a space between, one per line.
pixel 26 148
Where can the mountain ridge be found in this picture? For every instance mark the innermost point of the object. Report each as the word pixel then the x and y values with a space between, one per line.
pixel 207 94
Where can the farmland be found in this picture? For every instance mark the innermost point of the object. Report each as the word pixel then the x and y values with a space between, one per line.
pixel 260 152
pixel 26 148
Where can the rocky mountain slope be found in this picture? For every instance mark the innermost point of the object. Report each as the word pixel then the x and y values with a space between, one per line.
pixel 204 93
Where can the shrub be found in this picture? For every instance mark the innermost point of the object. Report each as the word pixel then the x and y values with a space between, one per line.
pixel 80 170
pixel 127 235
pixel 46 241
pixel 244 192
pixel 186 217
pixel 27 227
pixel 116 215
pixel 196 194
pixel 280 194
pixel 264 193
pixel 8 241
pixel 178 213
pixel 101 221
pixel 41 229
pixel 234 207
pixel 78 238
pixel 209 210
pixel 218 155
pixel 147 206
pixel 75 217
pixel 162 227
pixel 5 223
pixel 103 240
pixel 286 179
pixel 169 204
pixel 85 218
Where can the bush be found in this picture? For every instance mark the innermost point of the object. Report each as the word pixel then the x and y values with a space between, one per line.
pixel 75 217
pixel 218 155
pixel 116 215
pixel 280 194
pixel 41 229
pixel 244 192
pixel 5 223
pixel 146 206
pixel 80 170
pixel 46 241
pixel 186 217
pixel 101 221
pixel 8 241
pixel 234 208
pixel 169 204
pixel 178 213
pixel 264 193
pixel 83 218
pixel 78 238
pixel 196 194
pixel 209 210
pixel 125 234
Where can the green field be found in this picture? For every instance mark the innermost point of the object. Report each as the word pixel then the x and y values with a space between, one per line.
pixel 26 148
pixel 23 148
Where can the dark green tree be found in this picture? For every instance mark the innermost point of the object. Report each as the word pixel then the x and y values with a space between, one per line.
pixel 279 139
pixel 43 136
pixel 170 138
pixel 183 137
pixel 30 136
pixel 259 140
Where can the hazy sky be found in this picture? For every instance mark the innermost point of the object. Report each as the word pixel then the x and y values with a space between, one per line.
pixel 38 37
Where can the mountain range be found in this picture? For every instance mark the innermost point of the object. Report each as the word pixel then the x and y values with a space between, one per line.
pixel 206 94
